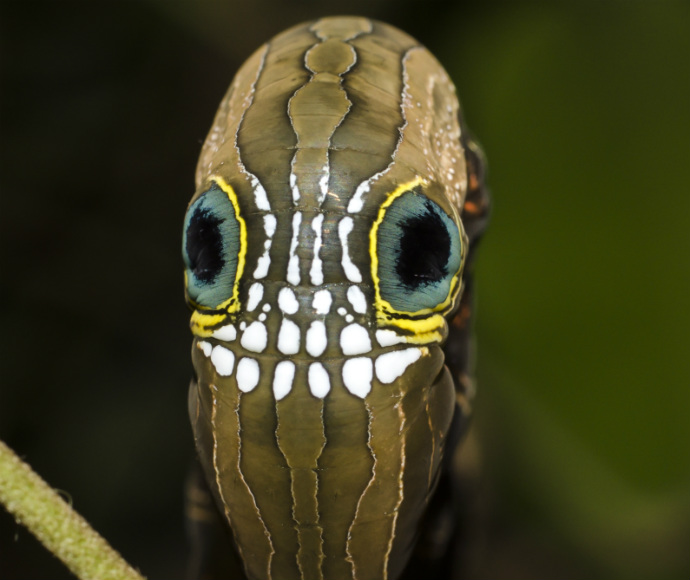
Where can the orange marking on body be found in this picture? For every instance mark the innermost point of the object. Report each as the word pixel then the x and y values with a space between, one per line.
pixel 461 318
pixel 471 207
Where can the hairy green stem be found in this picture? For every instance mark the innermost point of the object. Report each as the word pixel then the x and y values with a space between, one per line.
pixel 62 530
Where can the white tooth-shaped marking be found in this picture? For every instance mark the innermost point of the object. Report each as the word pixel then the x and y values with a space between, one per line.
pixel 287 302
pixel 293 186
pixel 357 375
pixel 223 360
pixel 356 202
pixel 264 261
pixel 293 264
pixel 316 271
pixel 282 379
pixel 386 337
pixel 391 365
pixel 227 333
pixel 255 337
pixel 354 339
pixel 357 299
pixel 322 302
pixel 316 338
pixel 288 337
pixel 319 381
pixel 247 374
pixel 260 194
pixel 344 228
pixel 256 293
pixel 323 183
pixel 204 347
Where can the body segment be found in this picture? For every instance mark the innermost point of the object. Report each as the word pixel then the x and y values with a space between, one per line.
pixel 324 252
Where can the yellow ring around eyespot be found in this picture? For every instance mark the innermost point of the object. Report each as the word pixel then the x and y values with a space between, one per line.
pixel 203 323
pixel 427 328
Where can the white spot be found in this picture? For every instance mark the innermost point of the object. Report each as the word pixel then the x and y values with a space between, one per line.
pixel 391 365
pixel 227 333
pixel 322 302
pixel 262 317
pixel 260 194
pixel 357 375
pixel 354 339
pixel 204 347
pixel 266 307
pixel 287 301
pixel 256 293
pixel 247 374
pixel 341 310
pixel 319 381
pixel 293 186
pixel 387 337
pixel 293 265
pixel 264 261
pixel 243 325
pixel 255 337
pixel 223 360
pixel 349 318
pixel 356 203
pixel 316 338
pixel 357 299
pixel 282 379
pixel 344 228
pixel 288 337
pixel 270 224
pixel 323 183
pixel 316 272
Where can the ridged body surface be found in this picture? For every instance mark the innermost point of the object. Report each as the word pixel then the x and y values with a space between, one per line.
pixel 321 403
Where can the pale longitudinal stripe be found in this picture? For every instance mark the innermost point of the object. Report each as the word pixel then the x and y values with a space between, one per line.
pixel 401 486
pixel 302 453
pixel 316 110
pixel 260 197
pixel 216 431
pixel 357 200
pixel 348 548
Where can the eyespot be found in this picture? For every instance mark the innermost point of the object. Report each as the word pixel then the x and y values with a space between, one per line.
pixel 419 250
pixel 212 247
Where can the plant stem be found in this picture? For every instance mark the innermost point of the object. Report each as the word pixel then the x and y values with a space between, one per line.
pixel 59 528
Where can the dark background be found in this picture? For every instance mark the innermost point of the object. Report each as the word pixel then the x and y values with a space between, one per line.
pixel 583 324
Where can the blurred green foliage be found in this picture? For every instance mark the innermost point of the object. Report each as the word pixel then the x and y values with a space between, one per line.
pixel 583 327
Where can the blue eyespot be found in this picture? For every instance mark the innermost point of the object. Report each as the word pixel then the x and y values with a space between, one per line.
pixel 211 247
pixel 419 252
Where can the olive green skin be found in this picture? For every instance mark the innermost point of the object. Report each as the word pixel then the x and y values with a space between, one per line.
pixel 334 486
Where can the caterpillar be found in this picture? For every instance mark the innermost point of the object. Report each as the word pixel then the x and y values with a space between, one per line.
pixel 327 251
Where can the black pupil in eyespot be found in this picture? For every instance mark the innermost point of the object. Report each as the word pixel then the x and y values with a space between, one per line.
pixel 424 249
pixel 205 245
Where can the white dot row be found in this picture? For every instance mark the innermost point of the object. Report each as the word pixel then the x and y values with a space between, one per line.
pixel 354 338
pixel 357 372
